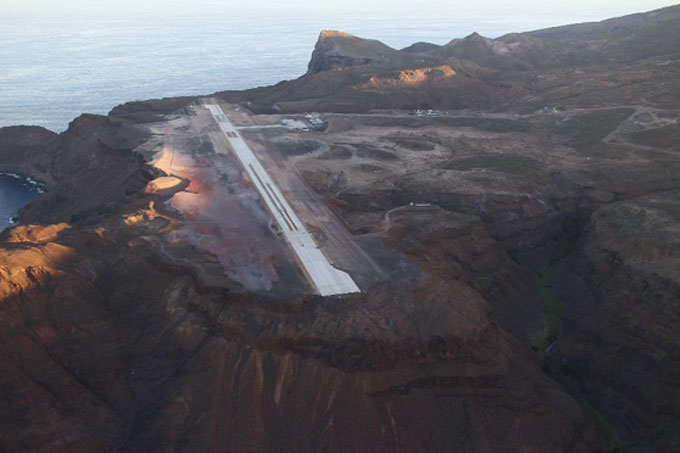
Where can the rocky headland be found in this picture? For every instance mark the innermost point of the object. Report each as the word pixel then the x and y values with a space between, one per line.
pixel 520 197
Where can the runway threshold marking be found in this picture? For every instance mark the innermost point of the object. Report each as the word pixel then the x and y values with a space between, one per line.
pixel 326 279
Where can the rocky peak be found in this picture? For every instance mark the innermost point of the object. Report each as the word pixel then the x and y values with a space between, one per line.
pixel 334 34
pixel 474 36
pixel 336 50
pixel 475 39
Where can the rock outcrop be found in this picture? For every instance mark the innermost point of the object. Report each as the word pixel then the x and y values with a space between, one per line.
pixel 519 72
pixel 538 313
pixel 338 50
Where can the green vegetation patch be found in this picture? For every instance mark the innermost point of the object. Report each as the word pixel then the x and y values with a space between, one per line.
pixel 632 213
pixel 552 305
pixel 588 129
pixel 552 308
pixel 609 440
pixel 666 137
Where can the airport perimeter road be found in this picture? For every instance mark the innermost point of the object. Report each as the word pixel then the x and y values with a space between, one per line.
pixel 324 277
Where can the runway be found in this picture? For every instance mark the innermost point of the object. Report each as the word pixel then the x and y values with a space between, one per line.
pixel 326 279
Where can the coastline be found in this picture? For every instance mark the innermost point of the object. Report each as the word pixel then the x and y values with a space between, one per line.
pixel 146 299
pixel 30 186
pixel 39 186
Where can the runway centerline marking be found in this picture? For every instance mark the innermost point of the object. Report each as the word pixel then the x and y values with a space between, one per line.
pixel 326 279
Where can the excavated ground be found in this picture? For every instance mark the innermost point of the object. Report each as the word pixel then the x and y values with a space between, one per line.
pixel 519 276
pixel 223 214
pixel 162 309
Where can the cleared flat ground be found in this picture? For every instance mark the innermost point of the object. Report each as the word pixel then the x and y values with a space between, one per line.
pixel 324 277
pixel 245 203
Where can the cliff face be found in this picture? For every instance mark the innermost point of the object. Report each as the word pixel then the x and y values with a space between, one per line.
pixel 621 290
pixel 518 72
pixel 338 50
pixel 25 148
pixel 538 311
pixel 137 356
pixel 107 345
pixel 87 170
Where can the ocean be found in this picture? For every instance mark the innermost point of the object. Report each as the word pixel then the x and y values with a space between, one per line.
pixel 56 63
pixel 55 69
pixel 62 59
pixel 15 192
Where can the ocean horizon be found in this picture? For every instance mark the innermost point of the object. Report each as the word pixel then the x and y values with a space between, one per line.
pixel 57 66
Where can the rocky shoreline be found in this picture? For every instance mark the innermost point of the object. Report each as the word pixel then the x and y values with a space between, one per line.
pixel 539 315
pixel 29 186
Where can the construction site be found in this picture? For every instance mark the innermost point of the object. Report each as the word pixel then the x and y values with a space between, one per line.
pixel 246 204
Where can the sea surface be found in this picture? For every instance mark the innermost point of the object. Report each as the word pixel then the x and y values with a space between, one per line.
pixel 61 59
pixel 15 192
pixel 60 62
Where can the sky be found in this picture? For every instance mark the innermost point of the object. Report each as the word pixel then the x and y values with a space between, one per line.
pixel 491 18
pixel 593 9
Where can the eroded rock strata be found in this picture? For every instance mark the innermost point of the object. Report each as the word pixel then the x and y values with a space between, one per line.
pixel 526 287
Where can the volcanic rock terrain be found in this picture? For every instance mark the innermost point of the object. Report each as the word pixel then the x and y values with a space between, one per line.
pixel 509 207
